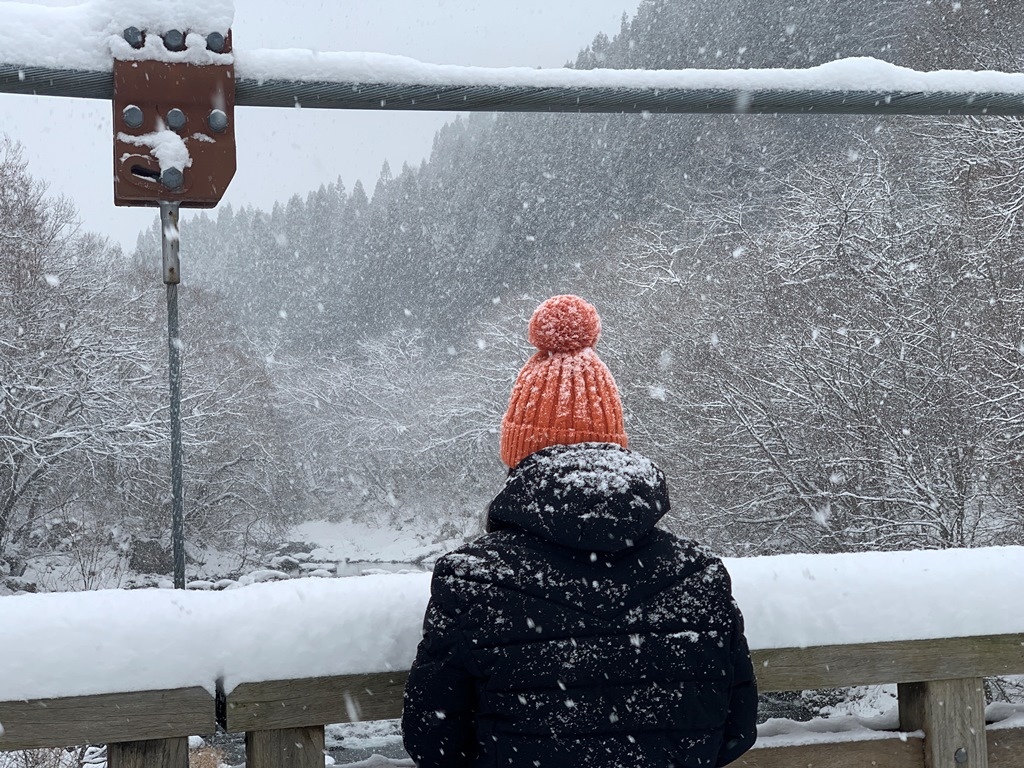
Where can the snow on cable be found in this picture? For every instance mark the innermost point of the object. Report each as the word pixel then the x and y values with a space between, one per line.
pixel 861 74
pixel 88 36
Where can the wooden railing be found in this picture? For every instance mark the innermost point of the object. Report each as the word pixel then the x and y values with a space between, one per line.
pixel 940 692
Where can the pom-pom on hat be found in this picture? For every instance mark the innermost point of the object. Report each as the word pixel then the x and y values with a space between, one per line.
pixel 564 394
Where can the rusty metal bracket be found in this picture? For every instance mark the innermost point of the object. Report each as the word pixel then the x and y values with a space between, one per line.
pixel 174 125
pixel 174 146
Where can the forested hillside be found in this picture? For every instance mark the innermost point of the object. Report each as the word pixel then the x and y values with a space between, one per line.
pixel 506 197
pixel 815 321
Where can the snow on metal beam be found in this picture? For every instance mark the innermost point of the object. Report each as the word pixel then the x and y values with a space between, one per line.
pixel 464 89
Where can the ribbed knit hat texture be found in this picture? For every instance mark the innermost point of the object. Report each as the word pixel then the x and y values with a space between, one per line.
pixel 564 394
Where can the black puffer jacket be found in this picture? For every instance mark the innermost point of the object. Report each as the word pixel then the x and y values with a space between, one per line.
pixel 576 634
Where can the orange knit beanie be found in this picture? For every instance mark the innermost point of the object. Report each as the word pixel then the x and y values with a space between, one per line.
pixel 564 394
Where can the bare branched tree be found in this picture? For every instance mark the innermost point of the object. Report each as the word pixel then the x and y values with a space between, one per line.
pixel 853 381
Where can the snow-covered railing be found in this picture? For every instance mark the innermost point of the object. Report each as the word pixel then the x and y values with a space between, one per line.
pixel 143 670
pixel 69 52
pixel 941 711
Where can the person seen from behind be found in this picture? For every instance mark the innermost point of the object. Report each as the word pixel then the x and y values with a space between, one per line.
pixel 575 632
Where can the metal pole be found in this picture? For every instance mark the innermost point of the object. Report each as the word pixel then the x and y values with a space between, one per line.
pixel 172 276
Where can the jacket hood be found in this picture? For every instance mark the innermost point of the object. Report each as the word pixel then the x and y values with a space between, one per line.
pixel 591 496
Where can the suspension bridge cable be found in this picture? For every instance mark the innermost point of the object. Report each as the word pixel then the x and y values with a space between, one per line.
pixel 526 98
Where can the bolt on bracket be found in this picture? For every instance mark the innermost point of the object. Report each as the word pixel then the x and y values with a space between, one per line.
pixel 174 134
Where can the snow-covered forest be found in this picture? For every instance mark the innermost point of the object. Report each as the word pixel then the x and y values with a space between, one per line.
pixel 815 321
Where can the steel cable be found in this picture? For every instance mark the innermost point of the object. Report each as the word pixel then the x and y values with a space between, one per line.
pixel 492 98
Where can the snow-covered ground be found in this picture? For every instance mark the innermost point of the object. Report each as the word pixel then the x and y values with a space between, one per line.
pixel 324 548
pixel 316 548
pixel 350 541
pixel 70 644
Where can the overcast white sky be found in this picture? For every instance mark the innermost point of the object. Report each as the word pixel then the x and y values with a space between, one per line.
pixel 281 152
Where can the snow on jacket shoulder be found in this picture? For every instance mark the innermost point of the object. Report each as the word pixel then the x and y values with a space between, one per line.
pixel 575 633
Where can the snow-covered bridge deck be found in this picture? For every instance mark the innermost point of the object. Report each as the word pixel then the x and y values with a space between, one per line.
pixel 144 669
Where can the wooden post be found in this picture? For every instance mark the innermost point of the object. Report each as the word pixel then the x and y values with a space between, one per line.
pixel 952 715
pixel 153 753
pixel 285 748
